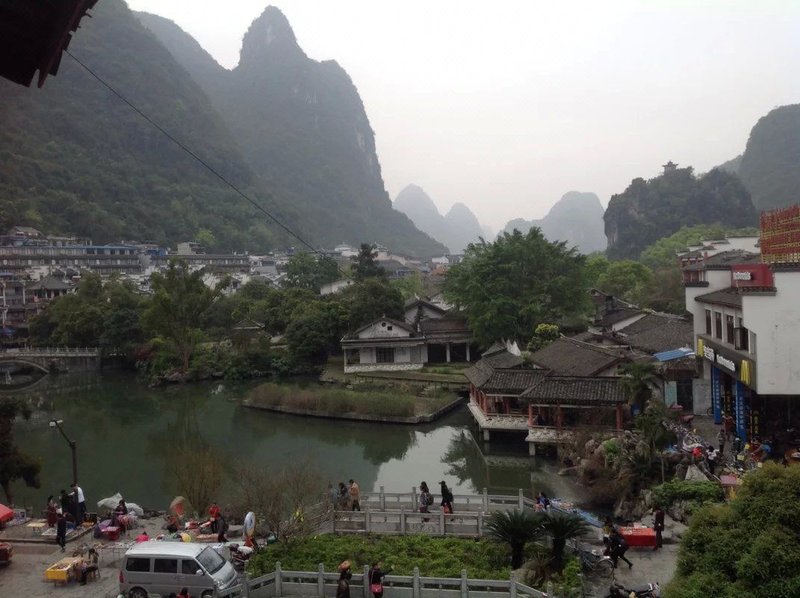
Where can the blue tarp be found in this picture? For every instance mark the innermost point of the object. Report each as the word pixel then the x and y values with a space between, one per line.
pixel 674 354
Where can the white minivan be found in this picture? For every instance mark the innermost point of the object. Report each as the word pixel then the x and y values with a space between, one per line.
pixel 164 567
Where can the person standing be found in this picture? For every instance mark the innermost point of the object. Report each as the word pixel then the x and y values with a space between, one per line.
pixel 213 515
pixel 712 459
pixel 80 499
pixel 728 424
pixel 66 502
pixel 50 511
pixel 90 565
pixel 721 441
pixel 343 587
pixel 658 526
pixel 333 495
pixel 376 576
pixel 343 496
pixel 61 531
pixel 355 496
pixel 447 498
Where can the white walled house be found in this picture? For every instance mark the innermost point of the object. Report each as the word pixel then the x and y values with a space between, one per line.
pixel 384 345
pixel 746 310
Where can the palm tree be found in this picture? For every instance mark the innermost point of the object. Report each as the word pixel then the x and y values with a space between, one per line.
pixel 638 381
pixel 562 527
pixel 515 528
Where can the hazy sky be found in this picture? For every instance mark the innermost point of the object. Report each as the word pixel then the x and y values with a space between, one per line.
pixel 507 105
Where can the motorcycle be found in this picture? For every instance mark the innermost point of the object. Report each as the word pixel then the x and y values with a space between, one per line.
pixel 650 590
pixel 240 555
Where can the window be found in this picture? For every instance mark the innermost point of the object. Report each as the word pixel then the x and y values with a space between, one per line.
pixel 742 336
pixel 165 566
pixel 708 322
pixel 384 355
pixel 718 324
pixel 189 567
pixel 729 329
pixel 137 564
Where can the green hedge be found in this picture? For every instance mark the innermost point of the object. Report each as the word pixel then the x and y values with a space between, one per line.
pixel 435 557
pixel 671 492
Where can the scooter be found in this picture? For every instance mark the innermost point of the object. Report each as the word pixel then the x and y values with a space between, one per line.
pixel 650 590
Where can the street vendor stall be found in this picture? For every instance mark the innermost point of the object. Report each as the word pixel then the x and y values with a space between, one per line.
pixel 637 537
pixel 63 571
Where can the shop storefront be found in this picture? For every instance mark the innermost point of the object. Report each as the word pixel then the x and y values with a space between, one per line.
pixel 733 388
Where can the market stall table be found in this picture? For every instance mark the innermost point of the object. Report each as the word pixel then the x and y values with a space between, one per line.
pixel 63 570
pixel 36 527
pixel 639 536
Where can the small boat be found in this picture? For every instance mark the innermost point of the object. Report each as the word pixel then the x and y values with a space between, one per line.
pixel 563 506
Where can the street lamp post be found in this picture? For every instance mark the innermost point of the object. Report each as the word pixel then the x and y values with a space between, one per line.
pixel 56 423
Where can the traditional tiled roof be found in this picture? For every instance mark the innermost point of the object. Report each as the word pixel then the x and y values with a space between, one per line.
pixel 730 297
pixel 417 301
pixel 552 390
pixel 618 315
pixel 503 359
pixel 50 283
pixel 478 373
pixel 438 325
pixel 392 321
pixel 569 357
pixel 513 381
pixel 658 332
pixel 724 260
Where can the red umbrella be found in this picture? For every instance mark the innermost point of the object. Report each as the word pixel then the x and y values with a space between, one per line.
pixel 6 514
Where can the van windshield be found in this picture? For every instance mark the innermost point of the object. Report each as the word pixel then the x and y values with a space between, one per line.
pixel 210 560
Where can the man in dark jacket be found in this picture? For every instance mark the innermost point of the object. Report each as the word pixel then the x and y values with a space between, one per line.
pixel 61 531
pixel 658 525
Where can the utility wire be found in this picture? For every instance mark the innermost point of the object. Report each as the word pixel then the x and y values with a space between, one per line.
pixel 205 164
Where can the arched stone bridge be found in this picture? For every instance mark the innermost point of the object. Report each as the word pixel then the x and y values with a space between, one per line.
pixel 50 359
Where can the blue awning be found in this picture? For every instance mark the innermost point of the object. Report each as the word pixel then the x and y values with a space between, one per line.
pixel 674 354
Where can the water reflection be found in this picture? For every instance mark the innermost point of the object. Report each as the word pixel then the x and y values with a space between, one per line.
pixel 130 438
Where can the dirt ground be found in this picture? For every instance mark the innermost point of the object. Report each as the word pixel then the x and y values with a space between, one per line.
pixel 24 577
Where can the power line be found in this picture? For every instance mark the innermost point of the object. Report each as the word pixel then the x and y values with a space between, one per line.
pixel 205 164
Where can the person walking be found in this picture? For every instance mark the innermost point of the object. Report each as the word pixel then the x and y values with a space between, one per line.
pixel 447 498
pixel 376 576
pixel 61 531
pixel 617 548
pixel 355 496
pixel 425 498
pixel 343 586
pixel 222 529
pixel 658 525
pixel 721 441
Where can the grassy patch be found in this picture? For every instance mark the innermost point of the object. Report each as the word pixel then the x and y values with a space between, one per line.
pixel 366 401
pixel 435 557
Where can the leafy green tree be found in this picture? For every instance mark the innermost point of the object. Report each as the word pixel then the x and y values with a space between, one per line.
pixel 315 331
pixel 179 303
pixel 309 271
pixel 515 528
pixel 561 528
pixel 747 548
pixel 596 265
pixel 206 238
pixel 410 286
pixel 650 424
pixel 14 464
pixel 364 264
pixel 638 380
pixel 369 300
pixel 507 287
pixel 543 336
pixel 628 280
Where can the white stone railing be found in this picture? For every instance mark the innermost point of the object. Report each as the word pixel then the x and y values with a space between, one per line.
pixel 52 351
pixel 319 583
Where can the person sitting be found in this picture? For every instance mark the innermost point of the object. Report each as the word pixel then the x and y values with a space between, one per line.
pixel 173 523
pixel 120 516
pixel 184 593
pixel 143 537
pixel 88 566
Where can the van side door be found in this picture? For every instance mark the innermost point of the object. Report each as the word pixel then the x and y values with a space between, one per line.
pixel 191 580
pixel 165 573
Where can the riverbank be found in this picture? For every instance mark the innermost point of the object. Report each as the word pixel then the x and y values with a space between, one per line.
pixel 381 405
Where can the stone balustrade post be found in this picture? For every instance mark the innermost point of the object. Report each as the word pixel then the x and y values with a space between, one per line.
pixel 415 585
pixel 278 580
pixel 321 580
pixel 464 584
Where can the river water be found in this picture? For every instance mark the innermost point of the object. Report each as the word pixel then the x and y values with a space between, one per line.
pixel 126 433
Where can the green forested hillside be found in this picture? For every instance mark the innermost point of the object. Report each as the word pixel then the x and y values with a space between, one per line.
pixel 649 210
pixel 76 159
pixel 770 166
pixel 301 124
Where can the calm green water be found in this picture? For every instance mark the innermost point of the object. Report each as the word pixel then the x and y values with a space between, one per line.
pixel 126 434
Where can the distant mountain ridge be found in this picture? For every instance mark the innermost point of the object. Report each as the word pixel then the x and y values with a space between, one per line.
pixel 302 126
pixel 576 218
pixel 456 229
